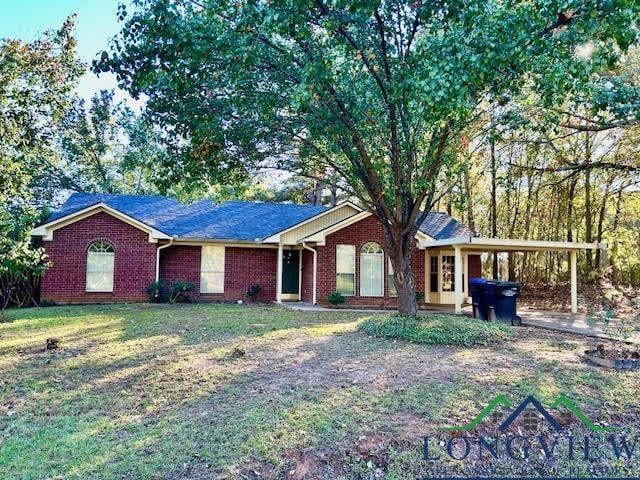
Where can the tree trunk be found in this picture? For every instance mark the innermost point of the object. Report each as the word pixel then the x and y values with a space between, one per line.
pixel 601 215
pixel 334 196
pixel 494 202
pixel 588 233
pixel 587 199
pixel 399 248
pixel 572 191
pixel 471 223
pixel 614 247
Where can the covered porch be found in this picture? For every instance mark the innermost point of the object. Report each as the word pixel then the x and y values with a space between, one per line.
pixel 463 246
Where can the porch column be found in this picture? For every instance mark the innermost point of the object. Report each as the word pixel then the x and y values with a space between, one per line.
pixel 279 276
pixel 459 288
pixel 315 276
pixel 573 263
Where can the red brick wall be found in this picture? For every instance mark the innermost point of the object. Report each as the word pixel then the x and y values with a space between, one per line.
pixel 242 267
pixel 135 261
pixel 307 276
pixel 180 262
pixel 367 230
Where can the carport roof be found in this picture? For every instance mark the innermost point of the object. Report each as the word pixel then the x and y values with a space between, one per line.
pixel 507 244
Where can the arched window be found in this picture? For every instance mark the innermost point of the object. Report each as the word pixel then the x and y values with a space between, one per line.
pixel 371 270
pixel 100 267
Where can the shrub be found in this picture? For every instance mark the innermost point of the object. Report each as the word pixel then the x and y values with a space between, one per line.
pixel 253 291
pixel 156 292
pixel 336 298
pixel 438 329
pixel 419 297
pixel 181 291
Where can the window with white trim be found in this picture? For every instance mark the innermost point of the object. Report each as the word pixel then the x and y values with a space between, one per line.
pixel 371 270
pixel 448 273
pixel 346 269
pixel 391 283
pixel 100 267
pixel 212 269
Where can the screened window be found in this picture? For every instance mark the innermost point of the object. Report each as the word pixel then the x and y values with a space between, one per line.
pixel 100 267
pixel 433 274
pixel 448 273
pixel 393 292
pixel 371 270
pixel 212 269
pixel 346 269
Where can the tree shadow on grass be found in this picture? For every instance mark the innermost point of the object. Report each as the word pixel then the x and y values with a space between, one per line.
pixel 193 409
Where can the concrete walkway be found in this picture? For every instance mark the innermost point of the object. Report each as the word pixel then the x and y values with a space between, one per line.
pixel 564 322
pixel 567 322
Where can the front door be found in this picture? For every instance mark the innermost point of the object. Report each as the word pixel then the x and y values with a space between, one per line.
pixel 290 273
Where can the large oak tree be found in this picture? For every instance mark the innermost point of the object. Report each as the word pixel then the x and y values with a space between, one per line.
pixel 369 95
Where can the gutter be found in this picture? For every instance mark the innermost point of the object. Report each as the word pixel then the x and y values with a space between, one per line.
pixel 315 268
pixel 158 256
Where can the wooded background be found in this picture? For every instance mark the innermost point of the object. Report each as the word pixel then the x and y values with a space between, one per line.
pixel 514 175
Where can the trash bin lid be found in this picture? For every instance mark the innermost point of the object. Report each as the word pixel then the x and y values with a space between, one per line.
pixel 505 284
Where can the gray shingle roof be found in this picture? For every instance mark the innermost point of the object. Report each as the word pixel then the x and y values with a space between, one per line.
pixel 240 221
pixel 246 221
pixel 152 210
pixel 439 225
pixel 249 221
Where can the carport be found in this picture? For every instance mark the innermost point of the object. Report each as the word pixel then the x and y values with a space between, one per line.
pixel 461 245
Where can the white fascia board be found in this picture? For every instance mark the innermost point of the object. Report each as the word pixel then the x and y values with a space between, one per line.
pixel 423 237
pixel 46 231
pixel 511 244
pixel 275 238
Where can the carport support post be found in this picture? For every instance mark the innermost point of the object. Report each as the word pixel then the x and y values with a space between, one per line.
pixel 459 288
pixel 573 263
pixel 279 276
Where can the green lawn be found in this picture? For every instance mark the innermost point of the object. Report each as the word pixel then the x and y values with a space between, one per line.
pixel 227 391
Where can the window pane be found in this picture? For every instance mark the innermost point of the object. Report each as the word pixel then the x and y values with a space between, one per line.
pixel 212 269
pixel 345 283
pixel 346 269
pixel 345 258
pixel 433 274
pixel 391 284
pixel 448 273
pixel 371 275
pixel 212 258
pixel 100 268
pixel 212 282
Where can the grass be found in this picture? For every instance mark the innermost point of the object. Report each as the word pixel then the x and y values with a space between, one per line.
pixel 227 391
pixel 436 329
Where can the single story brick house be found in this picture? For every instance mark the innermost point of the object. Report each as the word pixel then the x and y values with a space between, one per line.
pixel 109 248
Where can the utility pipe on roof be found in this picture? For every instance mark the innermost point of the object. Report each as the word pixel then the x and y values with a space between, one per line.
pixel 158 257
pixel 315 268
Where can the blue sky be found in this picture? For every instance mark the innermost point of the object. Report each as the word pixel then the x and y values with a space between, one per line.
pixel 96 23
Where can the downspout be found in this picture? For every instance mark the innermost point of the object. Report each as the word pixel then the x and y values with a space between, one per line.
pixel 315 268
pixel 158 257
